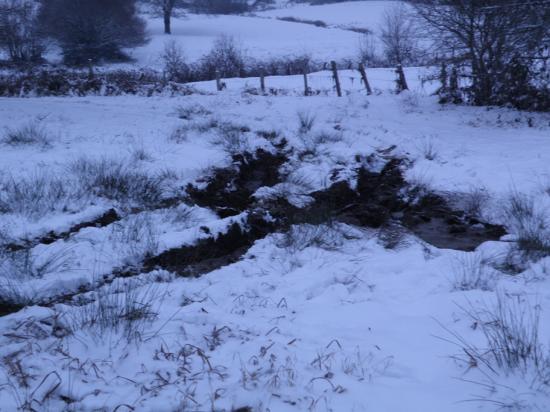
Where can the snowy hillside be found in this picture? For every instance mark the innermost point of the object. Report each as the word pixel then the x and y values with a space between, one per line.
pixel 250 244
pixel 260 38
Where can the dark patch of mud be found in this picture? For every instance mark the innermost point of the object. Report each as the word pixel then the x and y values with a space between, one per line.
pixel 229 190
pixel 7 307
pixel 105 219
pixel 383 199
pixel 378 200
pixel 213 252
pixel 433 220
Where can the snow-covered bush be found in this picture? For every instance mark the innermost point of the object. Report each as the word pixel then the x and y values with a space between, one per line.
pixel 36 195
pixel 116 180
pixel 513 362
pixel 30 134
pixel 175 65
pixel 120 308
pixel 134 239
pixel 226 58
pixel 471 272
pixel 529 221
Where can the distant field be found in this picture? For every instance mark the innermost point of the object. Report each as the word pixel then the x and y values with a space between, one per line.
pixel 260 38
pixel 364 14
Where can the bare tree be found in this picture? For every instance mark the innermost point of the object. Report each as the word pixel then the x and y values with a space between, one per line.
pixel 19 35
pixel 398 35
pixel 367 53
pixel 486 36
pixel 226 57
pixel 166 7
pixel 92 29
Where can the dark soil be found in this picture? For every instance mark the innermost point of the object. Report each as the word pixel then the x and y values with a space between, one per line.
pixel 229 190
pixel 213 252
pixel 379 200
pixel 105 219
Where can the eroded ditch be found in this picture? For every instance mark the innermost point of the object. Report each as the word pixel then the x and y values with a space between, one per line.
pixel 375 200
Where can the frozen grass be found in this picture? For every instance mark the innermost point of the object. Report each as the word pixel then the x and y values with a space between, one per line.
pixel 472 272
pixel 530 223
pixel 40 193
pixel 122 308
pixel 306 121
pixel 135 239
pixel 37 194
pixel 118 181
pixel 511 351
pixel 29 134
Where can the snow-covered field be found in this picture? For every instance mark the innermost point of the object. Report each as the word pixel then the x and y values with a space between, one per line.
pixel 351 14
pixel 263 36
pixel 343 324
pixel 259 38
pixel 326 315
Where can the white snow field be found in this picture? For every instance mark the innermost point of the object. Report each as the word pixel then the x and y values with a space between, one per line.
pixel 339 324
pixel 333 316
pixel 351 14
pixel 260 38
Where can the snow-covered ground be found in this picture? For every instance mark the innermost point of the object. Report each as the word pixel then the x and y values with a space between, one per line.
pixel 343 324
pixel 259 38
pixel 366 14
pixel 262 36
pixel 318 318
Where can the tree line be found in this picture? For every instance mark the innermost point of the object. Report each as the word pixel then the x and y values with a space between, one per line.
pixel 490 52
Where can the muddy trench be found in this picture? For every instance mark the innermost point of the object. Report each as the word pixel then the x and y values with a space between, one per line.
pixel 377 200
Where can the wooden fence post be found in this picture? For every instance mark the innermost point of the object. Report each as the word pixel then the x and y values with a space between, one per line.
pixel 306 86
pixel 218 81
pixel 336 79
pixel 401 79
pixel 90 70
pixel 262 81
pixel 364 78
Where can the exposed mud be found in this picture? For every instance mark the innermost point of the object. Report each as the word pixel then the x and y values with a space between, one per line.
pixel 213 252
pixel 434 221
pixel 105 219
pixel 229 190
pixel 378 199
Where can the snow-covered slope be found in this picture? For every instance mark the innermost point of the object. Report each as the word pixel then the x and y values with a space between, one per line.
pixel 331 320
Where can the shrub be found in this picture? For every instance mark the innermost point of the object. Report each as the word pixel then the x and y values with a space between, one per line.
pixel 19 34
pixel 316 23
pixel 32 133
pixel 118 181
pixel 226 57
pixel 35 195
pixel 471 272
pixel 175 66
pixel 221 6
pixel 93 30
pixel 530 224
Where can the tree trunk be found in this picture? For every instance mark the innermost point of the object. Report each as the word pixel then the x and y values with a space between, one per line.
pixel 167 21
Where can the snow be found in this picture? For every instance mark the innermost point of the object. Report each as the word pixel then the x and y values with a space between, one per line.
pixel 261 39
pixel 359 14
pixel 328 320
